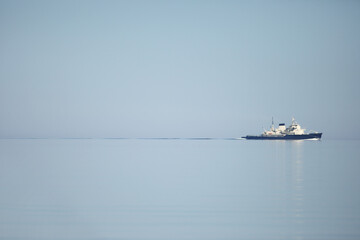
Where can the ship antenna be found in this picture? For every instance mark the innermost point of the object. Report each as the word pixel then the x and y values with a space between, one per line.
pixel 272 123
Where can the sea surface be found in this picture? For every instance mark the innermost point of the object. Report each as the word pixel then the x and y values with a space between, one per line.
pixel 181 189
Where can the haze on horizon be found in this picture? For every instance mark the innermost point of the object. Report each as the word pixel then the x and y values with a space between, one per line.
pixel 178 68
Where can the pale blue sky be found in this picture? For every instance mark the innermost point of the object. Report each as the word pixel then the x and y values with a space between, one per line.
pixel 178 68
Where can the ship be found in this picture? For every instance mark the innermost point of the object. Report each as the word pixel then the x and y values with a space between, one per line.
pixel 293 132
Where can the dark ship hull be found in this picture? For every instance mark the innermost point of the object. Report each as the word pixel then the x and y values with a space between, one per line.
pixel 285 137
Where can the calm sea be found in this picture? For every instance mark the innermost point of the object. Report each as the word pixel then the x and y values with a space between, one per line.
pixel 179 189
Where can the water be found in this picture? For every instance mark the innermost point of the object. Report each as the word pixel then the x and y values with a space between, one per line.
pixel 179 189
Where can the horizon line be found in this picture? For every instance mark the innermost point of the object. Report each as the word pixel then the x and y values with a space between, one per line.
pixel 143 138
pixel 127 138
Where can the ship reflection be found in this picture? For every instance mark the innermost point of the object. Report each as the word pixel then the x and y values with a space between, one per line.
pixel 298 187
pixel 290 153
